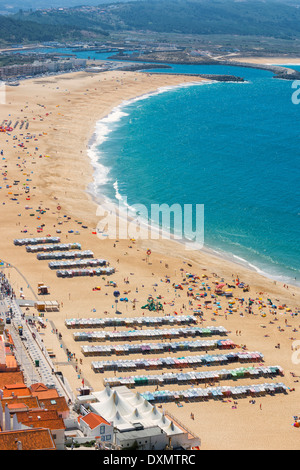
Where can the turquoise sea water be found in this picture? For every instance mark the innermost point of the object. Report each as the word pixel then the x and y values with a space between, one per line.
pixel 233 147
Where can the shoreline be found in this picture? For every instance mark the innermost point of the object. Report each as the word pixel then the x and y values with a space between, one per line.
pixel 63 113
pixel 88 138
pixel 106 201
pixel 93 140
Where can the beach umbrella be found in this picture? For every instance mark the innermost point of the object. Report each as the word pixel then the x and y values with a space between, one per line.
pixel 116 295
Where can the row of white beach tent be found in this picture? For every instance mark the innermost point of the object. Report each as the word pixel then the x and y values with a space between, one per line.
pixel 77 263
pixel 36 241
pixel 190 377
pixel 127 321
pixel 252 390
pixel 154 348
pixel 100 271
pixel 150 334
pixel 167 362
pixel 49 245
pixel 65 255
pixel 55 247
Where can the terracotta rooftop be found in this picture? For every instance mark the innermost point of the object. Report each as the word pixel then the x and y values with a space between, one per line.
pixel 29 402
pixel 16 386
pixel 39 386
pixel 93 420
pixel 9 378
pixel 30 439
pixel 17 406
pixel 42 392
pixel 41 419
pixel 18 389
pixel 59 404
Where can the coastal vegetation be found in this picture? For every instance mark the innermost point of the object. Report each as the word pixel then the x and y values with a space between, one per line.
pixel 250 17
pixel 13 29
pixel 16 31
pixel 256 26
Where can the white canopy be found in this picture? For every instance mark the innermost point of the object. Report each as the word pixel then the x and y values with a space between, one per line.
pixel 125 408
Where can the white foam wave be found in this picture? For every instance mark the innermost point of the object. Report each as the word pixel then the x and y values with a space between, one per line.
pixel 101 174
pixel 106 125
pixel 268 273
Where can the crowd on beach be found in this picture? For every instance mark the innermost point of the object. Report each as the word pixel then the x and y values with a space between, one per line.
pixel 5 287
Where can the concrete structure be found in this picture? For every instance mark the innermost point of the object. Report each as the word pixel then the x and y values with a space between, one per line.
pixel 145 439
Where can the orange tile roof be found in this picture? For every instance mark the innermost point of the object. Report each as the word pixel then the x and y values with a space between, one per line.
pixel 29 402
pixel 31 439
pixel 19 390
pixel 41 419
pixel 42 392
pixel 9 378
pixel 39 386
pixel 33 414
pixel 16 386
pixel 59 404
pixel 47 395
pixel 17 406
pixel 93 420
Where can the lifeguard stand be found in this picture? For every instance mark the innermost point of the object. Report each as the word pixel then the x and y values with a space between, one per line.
pixel 42 289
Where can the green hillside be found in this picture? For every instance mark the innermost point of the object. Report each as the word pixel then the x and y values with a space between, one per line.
pixel 271 18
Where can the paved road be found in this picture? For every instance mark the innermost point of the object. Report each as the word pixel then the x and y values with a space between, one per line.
pixel 30 352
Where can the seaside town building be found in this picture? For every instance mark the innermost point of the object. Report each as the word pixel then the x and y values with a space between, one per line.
pixel 40 67
pixel 42 418
pixel 33 439
pixel 94 426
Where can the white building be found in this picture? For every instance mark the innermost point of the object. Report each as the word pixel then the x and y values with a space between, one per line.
pixel 94 426
pixel 137 422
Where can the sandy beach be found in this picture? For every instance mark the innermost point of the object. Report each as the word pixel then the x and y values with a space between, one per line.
pixel 50 158
pixel 282 60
